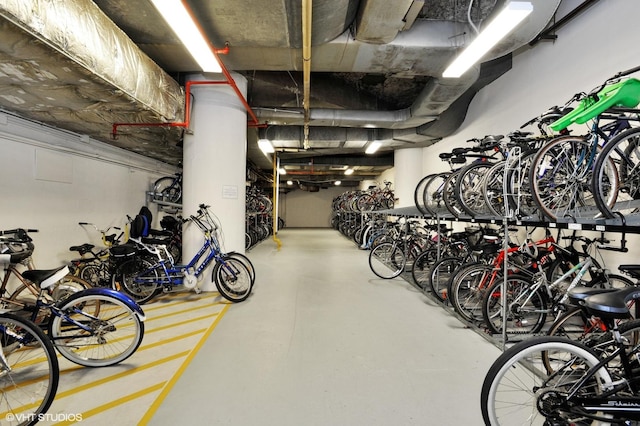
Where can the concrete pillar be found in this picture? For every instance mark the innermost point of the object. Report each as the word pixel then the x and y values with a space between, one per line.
pixel 407 166
pixel 215 165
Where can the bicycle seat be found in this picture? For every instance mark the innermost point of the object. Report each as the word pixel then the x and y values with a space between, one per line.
pixel 15 257
pixel 84 248
pixel 445 155
pixel 632 270
pixel 46 277
pixel 612 305
pixel 578 294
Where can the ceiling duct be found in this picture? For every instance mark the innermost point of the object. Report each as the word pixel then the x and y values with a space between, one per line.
pixel 66 64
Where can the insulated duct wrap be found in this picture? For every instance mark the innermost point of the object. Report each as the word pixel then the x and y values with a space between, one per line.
pixel 79 30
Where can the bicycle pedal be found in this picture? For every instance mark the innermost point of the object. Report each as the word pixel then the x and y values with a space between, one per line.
pixel 197 290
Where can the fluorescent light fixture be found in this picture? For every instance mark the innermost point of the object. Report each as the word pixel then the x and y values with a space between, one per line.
pixel 337 183
pixel 496 30
pixel 373 147
pixel 289 182
pixel 180 21
pixel 282 171
pixel 265 146
pixel 348 172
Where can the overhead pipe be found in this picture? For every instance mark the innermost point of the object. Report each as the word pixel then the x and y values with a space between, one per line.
pixel 306 67
pixel 229 80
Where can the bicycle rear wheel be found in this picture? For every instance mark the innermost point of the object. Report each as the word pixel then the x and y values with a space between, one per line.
pixel 387 260
pixel 138 278
pixel 96 330
pixel 29 380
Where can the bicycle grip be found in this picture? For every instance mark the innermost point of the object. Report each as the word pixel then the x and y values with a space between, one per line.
pixel 83 223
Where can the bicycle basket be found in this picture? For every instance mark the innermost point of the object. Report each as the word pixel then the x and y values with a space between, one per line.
pixel 624 93
pixel 123 251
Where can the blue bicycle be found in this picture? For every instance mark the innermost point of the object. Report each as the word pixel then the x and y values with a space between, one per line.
pixel 144 277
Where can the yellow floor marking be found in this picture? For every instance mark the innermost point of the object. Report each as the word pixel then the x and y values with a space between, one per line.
pixel 174 313
pixel 167 388
pixel 177 324
pixel 113 377
pixel 115 403
pixel 159 305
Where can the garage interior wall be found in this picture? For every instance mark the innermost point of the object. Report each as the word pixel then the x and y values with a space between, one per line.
pixel 50 180
pixel 303 209
pixel 594 46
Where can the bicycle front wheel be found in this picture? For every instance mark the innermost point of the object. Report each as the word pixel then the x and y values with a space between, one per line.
pixel 387 260
pixel 167 189
pixel 520 389
pixel 29 378
pixel 616 182
pixel 233 279
pixel 96 330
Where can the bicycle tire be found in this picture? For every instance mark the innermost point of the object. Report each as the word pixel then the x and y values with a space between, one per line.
pixel 232 279
pixel 449 196
pixel 247 263
pixel 616 181
pixel 96 274
pixel 167 189
pixel 466 289
pixel 493 189
pixel 422 268
pixel 442 272
pixel 128 279
pixel 507 398
pixel 469 188
pixel 116 331
pixel 387 260
pixel 561 180
pixel 519 196
pixel 433 195
pixel 526 319
pixel 418 195
pixel 29 387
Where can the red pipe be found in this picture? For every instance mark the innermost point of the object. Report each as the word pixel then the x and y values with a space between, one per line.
pixel 187 110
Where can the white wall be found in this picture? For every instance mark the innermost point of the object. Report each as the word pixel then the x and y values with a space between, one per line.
pixel 303 209
pixel 594 46
pixel 50 180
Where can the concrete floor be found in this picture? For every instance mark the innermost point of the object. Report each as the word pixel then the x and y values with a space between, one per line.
pixel 322 341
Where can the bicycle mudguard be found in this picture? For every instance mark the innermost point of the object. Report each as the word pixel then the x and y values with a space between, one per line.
pixel 625 93
pixel 102 291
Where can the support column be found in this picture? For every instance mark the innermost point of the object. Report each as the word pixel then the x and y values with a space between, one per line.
pixel 214 165
pixel 407 166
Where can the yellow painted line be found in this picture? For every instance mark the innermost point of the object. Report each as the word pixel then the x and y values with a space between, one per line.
pixel 169 385
pixel 120 375
pixel 177 324
pixel 159 305
pixel 173 339
pixel 101 408
pixel 174 313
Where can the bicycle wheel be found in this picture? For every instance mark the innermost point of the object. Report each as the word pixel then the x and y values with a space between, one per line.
pixel 233 279
pixel 519 389
pixel 247 263
pixel 29 371
pixel 560 179
pixel 96 274
pixel 422 268
pixel 387 260
pixel 433 195
pixel 526 311
pixel 519 193
pixel 96 330
pixel 138 278
pixel 418 195
pixel 469 188
pixel 616 182
pixel 493 189
pixel 449 195
pixel 167 189
pixel 466 290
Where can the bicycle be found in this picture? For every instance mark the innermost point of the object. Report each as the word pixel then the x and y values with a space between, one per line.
pixel 142 280
pixel 93 266
pixel 556 380
pixel 29 371
pixel 168 189
pixel 561 174
pixel 94 327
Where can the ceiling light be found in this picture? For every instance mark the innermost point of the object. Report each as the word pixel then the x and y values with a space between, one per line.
pixel 336 183
pixel 183 25
pixel 265 146
pixel 289 182
pixel 495 31
pixel 348 172
pixel 373 147
pixel 282 171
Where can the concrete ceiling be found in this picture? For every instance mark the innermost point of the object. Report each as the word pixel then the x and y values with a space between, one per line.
pixel 375 73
